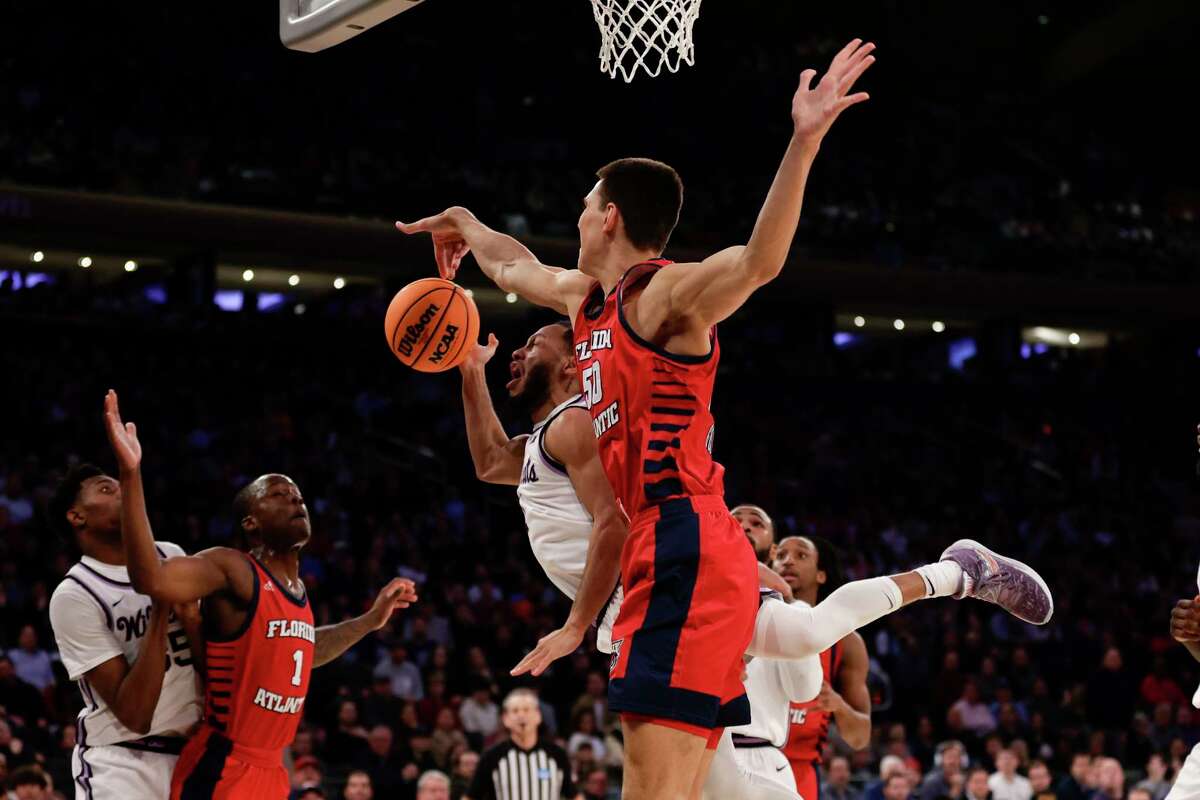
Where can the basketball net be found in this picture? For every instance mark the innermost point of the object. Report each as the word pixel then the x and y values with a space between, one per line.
pixel 645 34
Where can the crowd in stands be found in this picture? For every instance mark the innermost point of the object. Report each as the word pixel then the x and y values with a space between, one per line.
pixel 1054 461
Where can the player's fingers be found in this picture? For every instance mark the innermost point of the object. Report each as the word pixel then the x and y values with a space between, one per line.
pixel 846 51
pixel 806 79
pixel 852 100
pixel 131 429
pixel 847 82
pixel 419 226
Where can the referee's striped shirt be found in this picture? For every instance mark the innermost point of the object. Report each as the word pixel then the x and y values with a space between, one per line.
pixel 506 772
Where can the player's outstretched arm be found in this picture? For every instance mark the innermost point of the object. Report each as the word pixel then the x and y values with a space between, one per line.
pixel 182 579
pixel 508 263
pixel 333 640
pixel 572 440
pixel 132 691
pixel 710 291
pixel 497 458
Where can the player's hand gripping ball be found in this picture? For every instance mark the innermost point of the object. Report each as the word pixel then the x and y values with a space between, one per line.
pixel 431 325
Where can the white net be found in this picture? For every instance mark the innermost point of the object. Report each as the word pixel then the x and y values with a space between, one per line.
pixel 645 35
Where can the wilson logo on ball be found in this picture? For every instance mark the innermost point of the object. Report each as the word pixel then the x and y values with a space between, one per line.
pixel 412 336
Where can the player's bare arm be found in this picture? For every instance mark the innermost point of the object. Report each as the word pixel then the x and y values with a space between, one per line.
pixel 572 440
pixel 850 703
pixel 509 264
pixel 333 640
pixel 132 692
pixel 497 457
pixel 684 300
pixel 184 579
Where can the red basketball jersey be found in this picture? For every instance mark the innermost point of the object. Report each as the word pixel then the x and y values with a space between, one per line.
pixel 650 408
pixel 809 729
pixel 257 681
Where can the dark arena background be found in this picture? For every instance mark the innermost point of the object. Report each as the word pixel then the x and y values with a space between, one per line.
pixel 988 327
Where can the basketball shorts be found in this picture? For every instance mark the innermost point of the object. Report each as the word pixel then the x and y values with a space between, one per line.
pixel 808 779
pixel 766 765
pixel 214 768
pixel 690 582
pixel 112 772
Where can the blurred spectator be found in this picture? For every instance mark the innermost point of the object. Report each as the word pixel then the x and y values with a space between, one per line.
pixel 446 736
pixel 976 787
pixel 837 781
pixel 464 772
pixel 1005 783
pixel 970 714
pixel 1155 782
pixel 31 663
pixel 1074 785
pixel 595 785
pixel 403 674
pixel 433 785
pixel 307 793
pixel 29 783
pixel 585 732
pixel 948 769
pixel 1159 686
pixel 889 765
pixel 15 501
pixel 306 771
pixel 348 742
pixel 22 701
pixel 381 707
pixel 1110 780
pixel 479 714
pixel 358 786
pixel 897 787
pixel 1139 794
pixel 1041 782
pixel 594 700
pixel 1111 692
pixel 382 762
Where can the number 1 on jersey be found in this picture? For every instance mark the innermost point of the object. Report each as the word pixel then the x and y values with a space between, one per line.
pixel 298 657
pixel 592 389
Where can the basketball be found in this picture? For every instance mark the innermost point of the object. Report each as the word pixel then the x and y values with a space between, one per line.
pixel 431 324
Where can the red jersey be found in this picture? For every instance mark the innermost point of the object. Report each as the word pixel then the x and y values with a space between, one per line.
pixel 809 729
pixel 257 681
pixel 650 408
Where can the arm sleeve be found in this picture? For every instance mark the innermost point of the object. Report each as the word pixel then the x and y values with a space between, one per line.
pixel 801 678
pixel 81 631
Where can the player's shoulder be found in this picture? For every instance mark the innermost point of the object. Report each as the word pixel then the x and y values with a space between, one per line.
pixel 67 599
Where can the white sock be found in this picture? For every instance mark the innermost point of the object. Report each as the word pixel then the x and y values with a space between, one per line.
pixel 943 579
pixel 796 631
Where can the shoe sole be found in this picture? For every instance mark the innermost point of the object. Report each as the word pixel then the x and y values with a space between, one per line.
pixel 1020 565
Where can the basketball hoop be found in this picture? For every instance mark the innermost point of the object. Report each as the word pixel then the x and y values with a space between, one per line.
pixel 646 35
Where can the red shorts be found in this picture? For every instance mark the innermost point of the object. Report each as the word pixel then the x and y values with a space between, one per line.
pixel 691 596
pixel 808 779
pixel 212 767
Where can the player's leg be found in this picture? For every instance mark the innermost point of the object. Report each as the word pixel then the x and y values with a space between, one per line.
pixel 967 569
pixel 706 761
pixel 726 778
pixel 651 745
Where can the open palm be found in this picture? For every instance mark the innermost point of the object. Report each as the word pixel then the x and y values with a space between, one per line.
pixel 814 108
pixel 121 435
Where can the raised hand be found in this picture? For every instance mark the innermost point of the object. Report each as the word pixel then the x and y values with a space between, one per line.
pixel 551 647
pixel 449 246
pixel 121 435
pixel 480 354
pixel 399 593
pixel 1185 621
pixel 814 109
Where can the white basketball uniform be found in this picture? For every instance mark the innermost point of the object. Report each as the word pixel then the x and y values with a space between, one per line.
pixel 771 685
pixel 1187 782
pixel 559 525
pixel 96 615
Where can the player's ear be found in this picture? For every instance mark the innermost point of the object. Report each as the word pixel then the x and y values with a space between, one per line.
pixel 75 519
pixel 821 577
pixel 612 218
pixel 772 553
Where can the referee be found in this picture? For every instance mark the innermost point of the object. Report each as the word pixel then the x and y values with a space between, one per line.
pixel 522 768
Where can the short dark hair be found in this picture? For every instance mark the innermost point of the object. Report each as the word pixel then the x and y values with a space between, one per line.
pixel 648 194
pixel 829 561
pixel 28 775
pixel 64 496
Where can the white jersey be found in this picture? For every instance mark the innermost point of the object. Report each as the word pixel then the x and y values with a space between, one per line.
pixel 1196 696
pixel 97 615
pixel 559 525
pixel 771 685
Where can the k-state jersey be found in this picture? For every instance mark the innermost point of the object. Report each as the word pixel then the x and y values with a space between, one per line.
pixel 258 680
pixel 650 408
pixel 96 615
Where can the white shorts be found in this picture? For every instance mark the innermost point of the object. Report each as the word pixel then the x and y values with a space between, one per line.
pixel 112 772
pixel 766 764
pixel 611 611
pixel 1187 782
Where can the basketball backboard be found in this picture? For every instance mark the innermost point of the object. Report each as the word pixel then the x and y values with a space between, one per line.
pixel 312 25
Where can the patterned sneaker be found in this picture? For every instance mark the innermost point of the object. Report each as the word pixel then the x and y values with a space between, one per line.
pixel 1006 582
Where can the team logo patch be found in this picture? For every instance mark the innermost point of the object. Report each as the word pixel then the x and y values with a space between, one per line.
pixel 543 774
pixel 616 655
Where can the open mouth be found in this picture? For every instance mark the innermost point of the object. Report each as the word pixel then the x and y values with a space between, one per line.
pixel 516 371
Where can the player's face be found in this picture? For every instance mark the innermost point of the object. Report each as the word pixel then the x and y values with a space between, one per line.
pixel 757 530
pixel 99 502
pixel 796 562
pixel 534 366
pixel 522 716
pixel 591 229
pixel 280 513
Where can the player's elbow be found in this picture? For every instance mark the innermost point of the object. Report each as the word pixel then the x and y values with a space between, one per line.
pixel 136 720
pixel 858 739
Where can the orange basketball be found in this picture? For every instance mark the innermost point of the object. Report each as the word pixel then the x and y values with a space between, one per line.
pixel 431 325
